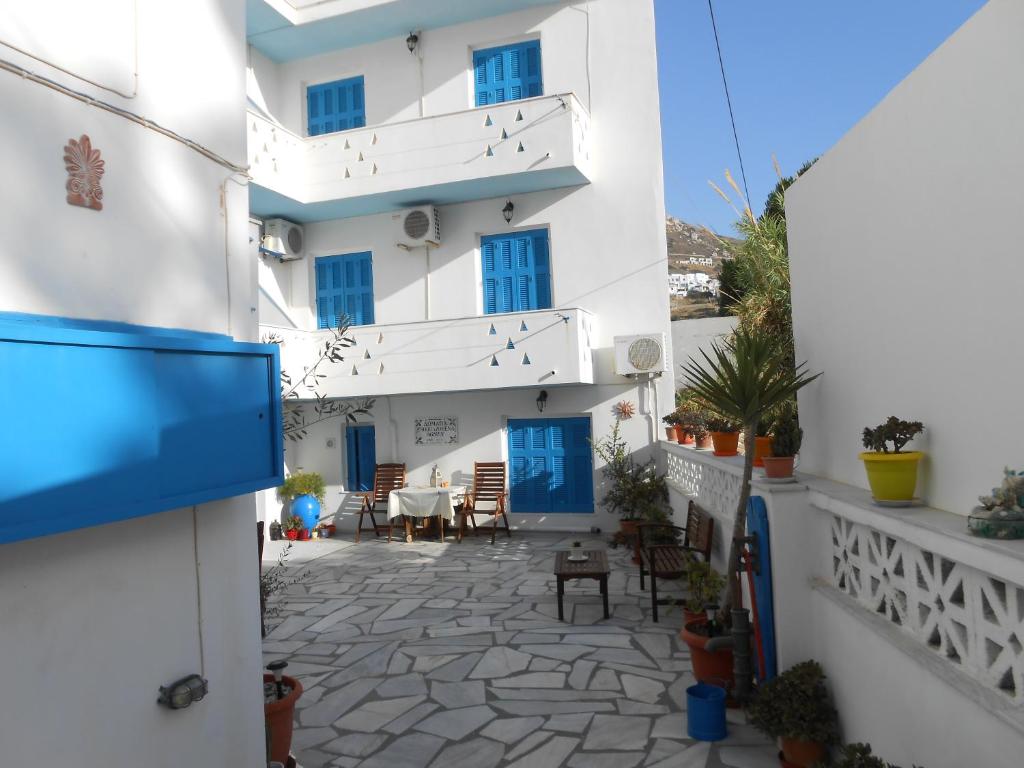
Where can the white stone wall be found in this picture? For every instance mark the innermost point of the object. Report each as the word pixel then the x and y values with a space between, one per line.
pixel 96 620
pixel 690 337
pixel 881 301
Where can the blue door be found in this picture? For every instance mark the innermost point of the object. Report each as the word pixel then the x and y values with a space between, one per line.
pixel 335 106
pixel 551 465
pixel 360 456
pixel 507 73
pixel 516 271
pixel 344 289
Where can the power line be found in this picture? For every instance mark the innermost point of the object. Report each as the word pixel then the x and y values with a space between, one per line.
pixel 728 100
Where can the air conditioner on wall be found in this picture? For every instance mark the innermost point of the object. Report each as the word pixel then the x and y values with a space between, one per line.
pixel 644 353
pixel 283 239
pixel 417 227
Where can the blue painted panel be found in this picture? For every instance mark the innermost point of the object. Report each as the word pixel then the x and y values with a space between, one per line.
pixel 507 73
pixel 551 465
pixel 105 425
pixel 344 289
pixel 757 523
pixel 336 106
pixel 360 456
pixel 516 271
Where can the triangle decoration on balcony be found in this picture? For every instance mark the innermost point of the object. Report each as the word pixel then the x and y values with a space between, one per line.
pixel 488 122
pixel 521 147
pixel 366 355
pixel 526 359
pixel 360 158
pixel 348 175
pixel 380 338
pixel 380 368
pixel 509 344
pixel 519 115
pixel 374 139
pixel 491 331
pixel 504 134
pixel 347 145
pixel 490 152
pixel 522 327
pixel 374 171
pixel 355 371
pixel 494 361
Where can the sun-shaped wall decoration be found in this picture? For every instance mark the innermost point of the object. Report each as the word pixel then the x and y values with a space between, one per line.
pixel 624 409
pixel 85 168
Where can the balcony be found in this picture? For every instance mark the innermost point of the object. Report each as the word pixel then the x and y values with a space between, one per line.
pixel 518 349
pixel 504 149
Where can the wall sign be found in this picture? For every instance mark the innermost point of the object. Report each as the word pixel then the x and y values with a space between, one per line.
pixel 440 430
pixel 85 168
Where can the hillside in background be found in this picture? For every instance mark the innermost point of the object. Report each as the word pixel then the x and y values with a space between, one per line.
pixel 686 241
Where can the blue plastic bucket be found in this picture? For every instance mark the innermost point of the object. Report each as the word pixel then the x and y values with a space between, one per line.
pixel 705 712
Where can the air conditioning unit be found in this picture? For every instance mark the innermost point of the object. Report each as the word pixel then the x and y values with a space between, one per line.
pixel 645 353
pixel 418 226
pixel 283 239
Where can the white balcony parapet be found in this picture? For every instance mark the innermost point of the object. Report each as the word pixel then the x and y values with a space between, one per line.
pixel 518 349
pixel 503 149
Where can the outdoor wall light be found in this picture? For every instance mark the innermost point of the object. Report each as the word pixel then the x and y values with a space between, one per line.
pixel 182 693
pixel 542 400
pixel 412 41
pixel 277 669
pixel 507 211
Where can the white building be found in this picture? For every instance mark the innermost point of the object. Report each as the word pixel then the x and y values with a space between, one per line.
pixel 96 618
pixel 528 104
pixel 704 261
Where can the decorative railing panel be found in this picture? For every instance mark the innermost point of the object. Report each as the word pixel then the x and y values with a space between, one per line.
pixel 967 616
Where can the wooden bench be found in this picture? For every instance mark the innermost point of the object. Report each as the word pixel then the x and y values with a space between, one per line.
pixel 662 557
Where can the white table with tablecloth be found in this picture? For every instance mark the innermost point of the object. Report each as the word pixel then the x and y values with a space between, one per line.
pixel 420 503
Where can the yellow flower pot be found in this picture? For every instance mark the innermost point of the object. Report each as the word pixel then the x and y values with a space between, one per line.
pixel 892 476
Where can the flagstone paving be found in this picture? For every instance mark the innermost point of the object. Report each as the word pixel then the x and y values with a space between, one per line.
pixel 451 655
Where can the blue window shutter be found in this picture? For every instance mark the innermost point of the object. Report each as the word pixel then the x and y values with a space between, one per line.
pixel 344 288
pixel 351 459
pixel 360 456
pixel 507 73
pixel 551 465
pixel 336 106
pixel 516 271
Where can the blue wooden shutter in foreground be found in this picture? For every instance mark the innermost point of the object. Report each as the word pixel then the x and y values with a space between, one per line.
pixel 361 456
pixel 516 271
pixel 550 465
pixel 116 421
pixel 344 288
pixel 336 106
pixel 507 73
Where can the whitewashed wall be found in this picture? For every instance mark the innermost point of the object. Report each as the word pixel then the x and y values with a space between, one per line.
pixel 880 232
pixel 690 337
pixel 96 620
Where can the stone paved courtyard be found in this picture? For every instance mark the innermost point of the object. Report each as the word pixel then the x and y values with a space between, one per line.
pixel 430 654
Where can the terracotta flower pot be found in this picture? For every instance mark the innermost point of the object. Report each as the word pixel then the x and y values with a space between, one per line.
pixel 304 534
pixel 670 432
pixel 726 443
pixel 329 530
pixel 802 754
pixel 711 667
pixel 704 443
pixel 688 440
pixel 680 433
pixel 694 617
pixel 291 535
pixel 762 448
pixel 279 716
pixel 778 466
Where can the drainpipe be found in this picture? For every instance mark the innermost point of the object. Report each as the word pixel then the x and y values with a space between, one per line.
pixel 426 286
pixel 392 430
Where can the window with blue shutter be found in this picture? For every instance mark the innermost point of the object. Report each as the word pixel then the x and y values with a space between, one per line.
pixel 344 289
pixel 360 457
pixel 516 271
pixel 507 73
pixel 335 106
pixel 550 465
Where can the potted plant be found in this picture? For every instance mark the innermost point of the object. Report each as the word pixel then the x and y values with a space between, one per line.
pixel 892 475
pixel 292 526
pixel 305 491
pixel 1001 515
pixel 725 435
pixel 327 530
pixel 762 443
pixel 281 692
pixel 859 756
pixel 671 422
pixel 796 708
pixel 275 531
pixel 704 590
pixel 786 439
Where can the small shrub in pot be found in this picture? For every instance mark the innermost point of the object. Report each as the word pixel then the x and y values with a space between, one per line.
pixel 892 475
pixel 796 708
pixel 786 440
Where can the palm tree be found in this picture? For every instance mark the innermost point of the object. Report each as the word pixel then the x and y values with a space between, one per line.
pixel 744 377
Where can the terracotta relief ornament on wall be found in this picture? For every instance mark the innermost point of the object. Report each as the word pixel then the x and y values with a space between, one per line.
pixel 84 168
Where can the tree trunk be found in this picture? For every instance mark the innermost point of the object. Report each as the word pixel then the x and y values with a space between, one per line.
pixel 734 597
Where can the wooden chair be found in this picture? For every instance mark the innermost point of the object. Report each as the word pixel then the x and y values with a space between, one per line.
pixel 662 559
pixel 386 478
pixel 488 488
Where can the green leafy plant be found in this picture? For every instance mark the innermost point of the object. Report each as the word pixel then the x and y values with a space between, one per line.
pixel 302 484
pixel 786 433
pixel 293 523
pixel 635 491
pixel 704 586
pixel 743 378
pixel 895 431
pixel 672 419
pixel 1009 496
pixel 721 424
pixel 276 579
pixel 796 705
pixel 859 756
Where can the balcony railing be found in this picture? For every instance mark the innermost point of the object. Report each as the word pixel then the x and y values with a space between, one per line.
pixel 503 149
pixel 519 349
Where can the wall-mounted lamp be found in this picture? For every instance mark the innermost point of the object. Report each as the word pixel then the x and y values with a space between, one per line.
pixel 412 41
pixel 182 693
pixel 542 400
pixel 507 211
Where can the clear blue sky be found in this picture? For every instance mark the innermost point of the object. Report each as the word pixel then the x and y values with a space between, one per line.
pixel 801 74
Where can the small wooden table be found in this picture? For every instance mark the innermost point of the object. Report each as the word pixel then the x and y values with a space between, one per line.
pixel 594 567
